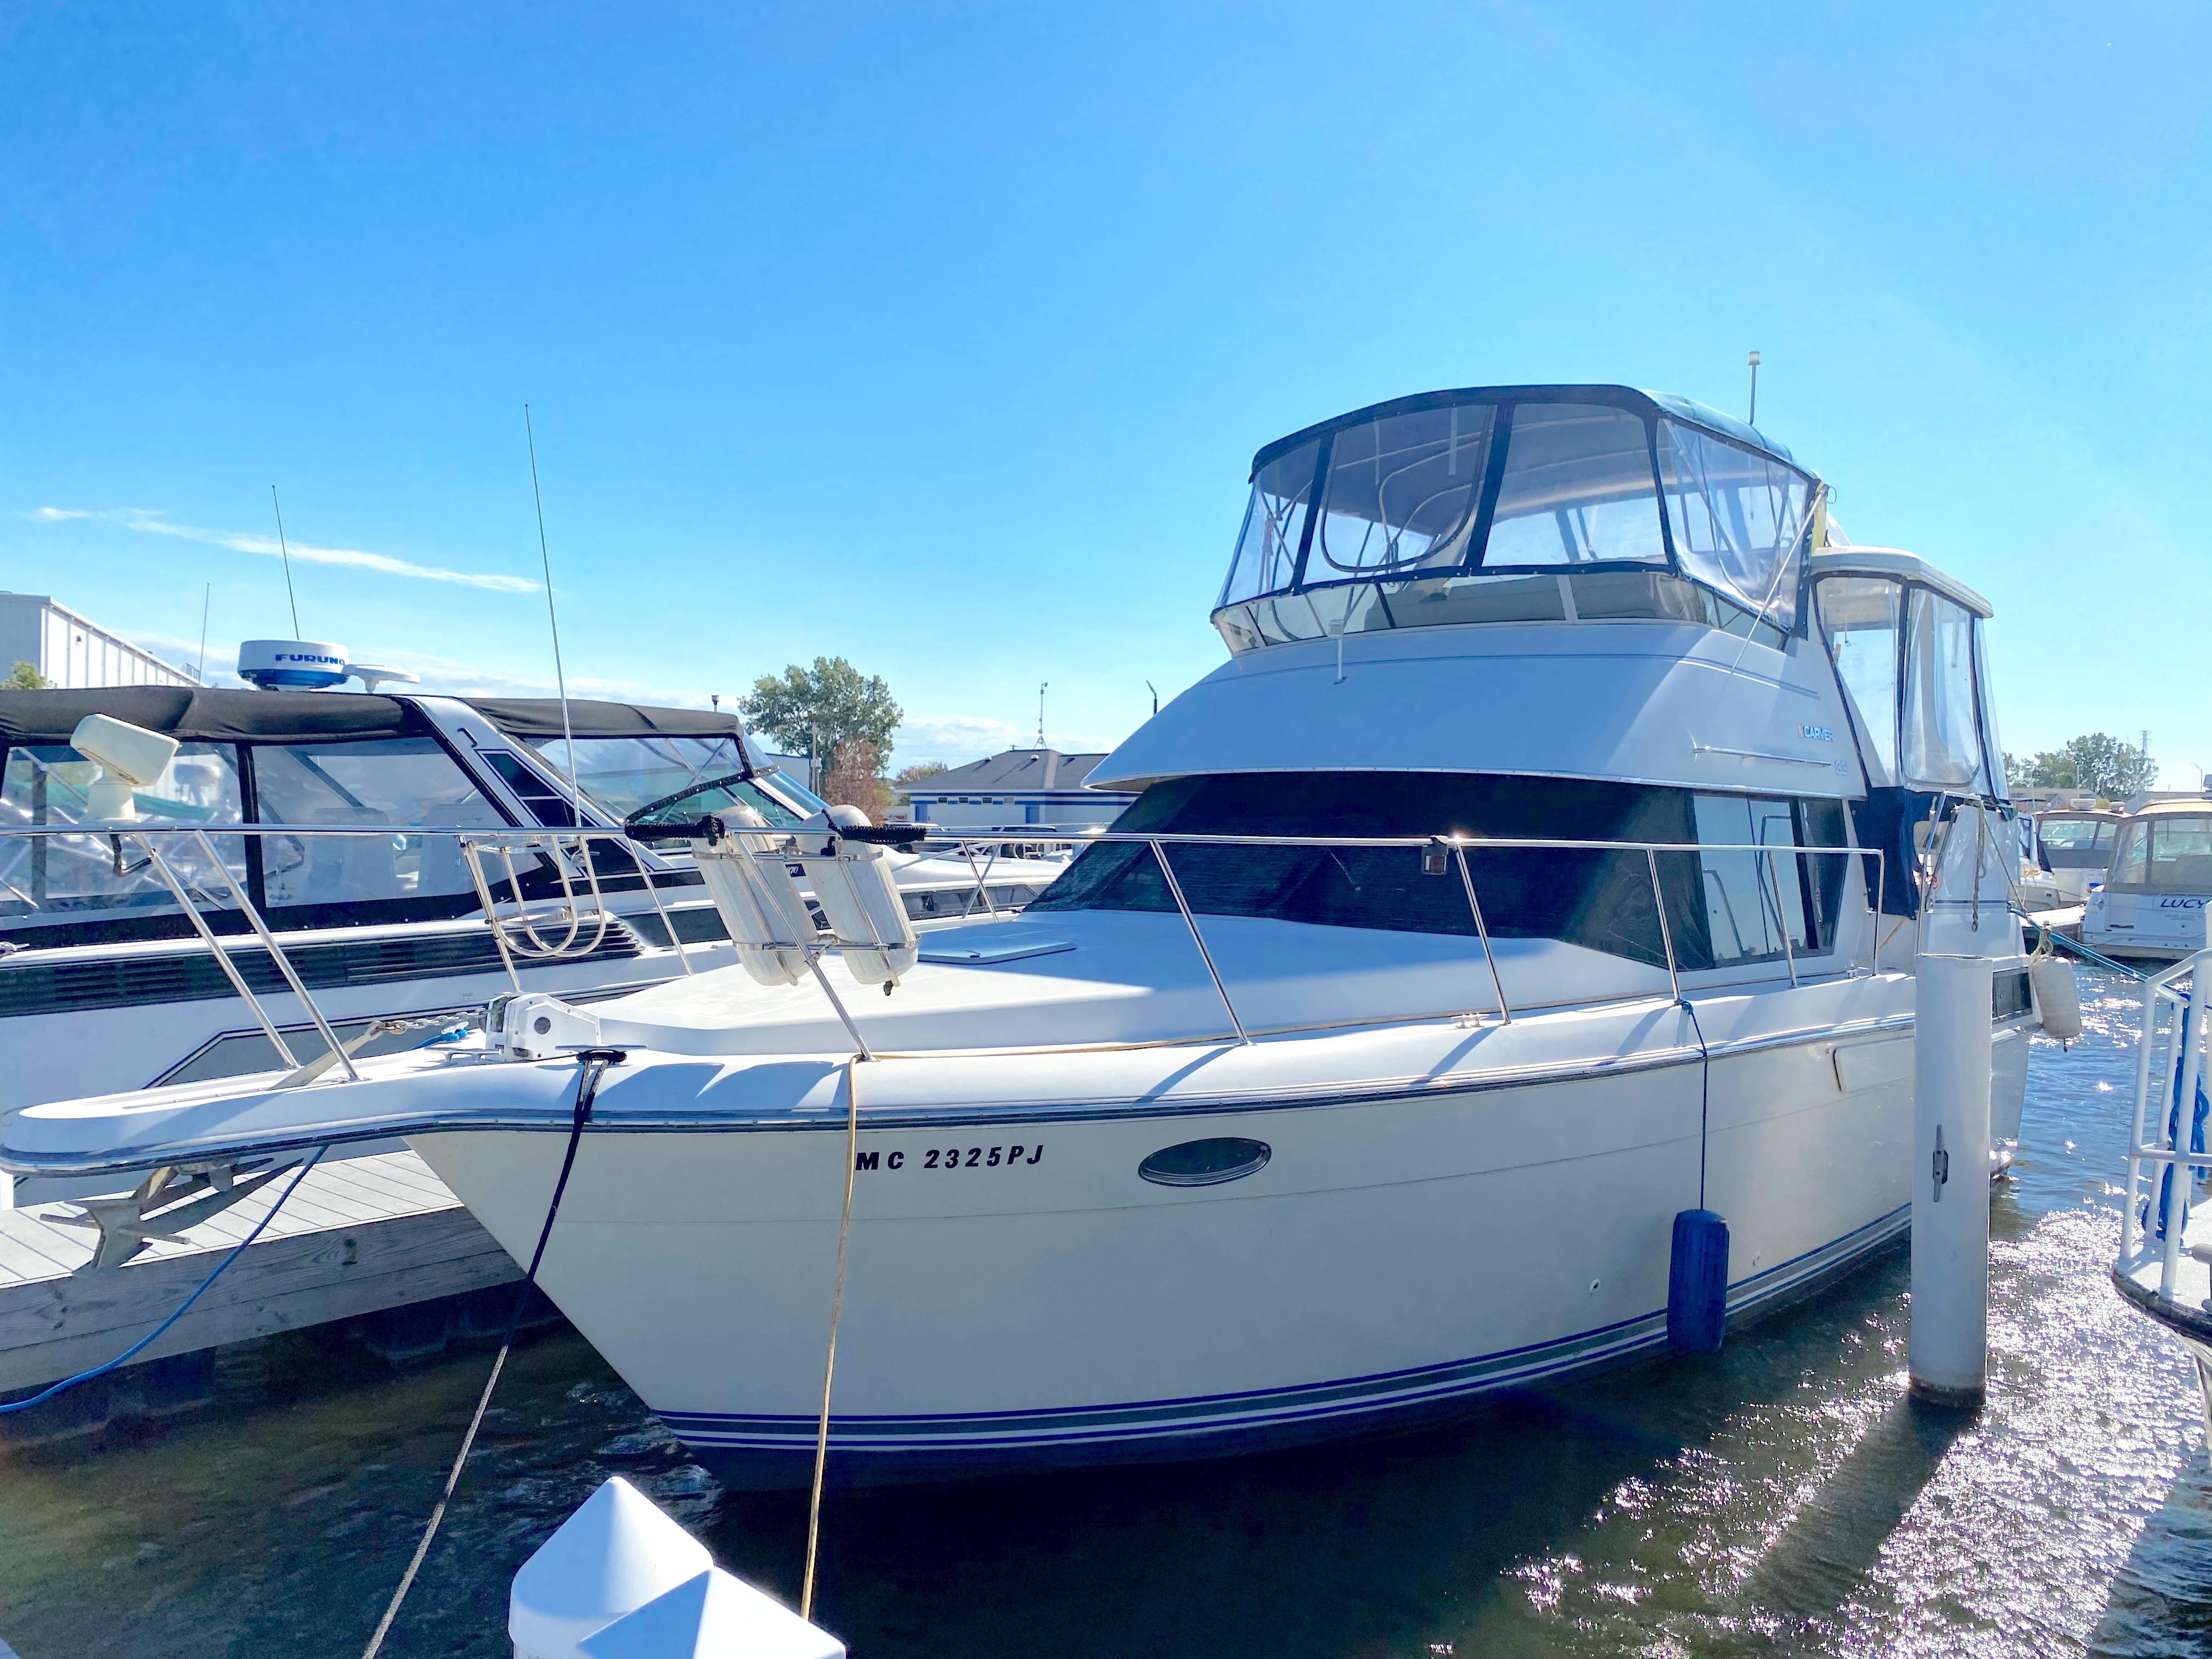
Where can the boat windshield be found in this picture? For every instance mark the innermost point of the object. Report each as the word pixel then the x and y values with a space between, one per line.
pixel 2169 853
pixel 1369 523
pixel 623 773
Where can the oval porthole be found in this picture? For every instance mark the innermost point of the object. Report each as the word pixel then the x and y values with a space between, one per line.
pixel 1205 1162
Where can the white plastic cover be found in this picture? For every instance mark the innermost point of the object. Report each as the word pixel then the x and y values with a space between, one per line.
pixel 132 753
pixel 616 1553
pixel 715 1615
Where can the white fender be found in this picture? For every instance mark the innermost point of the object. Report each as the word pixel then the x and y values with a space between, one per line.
pixel 2051 983
pixel 758 901
pixel 853 883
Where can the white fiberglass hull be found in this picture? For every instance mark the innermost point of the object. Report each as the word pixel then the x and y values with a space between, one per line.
pixel 1017 1295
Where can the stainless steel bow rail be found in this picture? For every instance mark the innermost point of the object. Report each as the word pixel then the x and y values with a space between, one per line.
pixel 577 923
pixel 2169 1063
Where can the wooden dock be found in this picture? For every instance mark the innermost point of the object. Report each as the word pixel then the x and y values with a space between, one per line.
pixel 360 1236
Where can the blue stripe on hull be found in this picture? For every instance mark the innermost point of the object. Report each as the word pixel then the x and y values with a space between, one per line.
pixel 766 1453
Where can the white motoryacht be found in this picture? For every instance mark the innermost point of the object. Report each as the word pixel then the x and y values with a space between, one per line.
pixel 105 985
pixel 1545 864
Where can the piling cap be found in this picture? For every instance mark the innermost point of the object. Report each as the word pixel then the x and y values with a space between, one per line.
pixel 714 1616
pixel 616 1553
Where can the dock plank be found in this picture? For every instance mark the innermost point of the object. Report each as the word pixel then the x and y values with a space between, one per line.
pixel 359 1237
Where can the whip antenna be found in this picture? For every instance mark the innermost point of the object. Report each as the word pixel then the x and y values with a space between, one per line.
pixel 207 598
pixel 286 553
pixel 553 619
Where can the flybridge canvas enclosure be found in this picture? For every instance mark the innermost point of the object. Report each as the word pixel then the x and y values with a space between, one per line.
pixel 1400 506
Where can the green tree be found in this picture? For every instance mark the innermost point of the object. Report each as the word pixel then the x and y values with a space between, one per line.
pixel 917 772
pixel 818 710
pixel 2095 761
pixel 26 677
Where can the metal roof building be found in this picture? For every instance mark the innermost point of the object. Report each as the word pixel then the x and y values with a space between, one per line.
pixel 73 652
pixel 1021 787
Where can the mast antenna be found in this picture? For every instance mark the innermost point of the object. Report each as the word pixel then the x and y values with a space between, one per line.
pixel 553 620
pixel 285 552
pixel 1041 713
pixel 199 668
pixel 1752 419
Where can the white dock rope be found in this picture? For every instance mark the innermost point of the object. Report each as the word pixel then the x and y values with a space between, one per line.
pixel 830 1360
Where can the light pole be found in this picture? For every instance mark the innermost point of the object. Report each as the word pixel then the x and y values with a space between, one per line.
pixel 1041 713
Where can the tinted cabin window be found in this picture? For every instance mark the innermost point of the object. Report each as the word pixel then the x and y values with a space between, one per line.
pixel 1598 899
pixel 545 804
pixel 57 881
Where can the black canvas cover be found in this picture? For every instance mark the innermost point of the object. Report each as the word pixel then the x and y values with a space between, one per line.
pixel 200 715
pixel 540 717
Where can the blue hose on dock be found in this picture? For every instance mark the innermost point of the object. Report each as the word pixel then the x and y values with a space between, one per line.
pixel 153 1335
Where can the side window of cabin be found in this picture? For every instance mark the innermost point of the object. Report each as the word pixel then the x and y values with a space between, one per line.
pixel 545 804
pixel 49 881
pixel 2130 859
pixel 1862 616
pixel 395 781
pixel 2167 854
pixel 1943 745
pixel 1750 899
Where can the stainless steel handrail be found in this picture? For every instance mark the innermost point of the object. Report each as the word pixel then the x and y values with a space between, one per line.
pixel 2168 1051
pixel 506 841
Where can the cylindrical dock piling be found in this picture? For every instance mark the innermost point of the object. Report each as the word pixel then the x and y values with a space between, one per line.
pixel 1949 1346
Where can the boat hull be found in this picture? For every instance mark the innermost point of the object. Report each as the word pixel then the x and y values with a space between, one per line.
pixel 1399 1258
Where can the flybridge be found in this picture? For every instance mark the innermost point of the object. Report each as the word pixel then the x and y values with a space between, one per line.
pixel 1470 506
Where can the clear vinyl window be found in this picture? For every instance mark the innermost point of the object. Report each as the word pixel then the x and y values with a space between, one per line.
pixel 395 781
pixel 1266 557
pixel 1941 743
pixel 1738 519
pixel 1577 490
pixel 1862 616
pixel 1402 493
pixel 47 880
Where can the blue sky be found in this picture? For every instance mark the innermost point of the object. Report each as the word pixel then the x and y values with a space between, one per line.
pixel 939 337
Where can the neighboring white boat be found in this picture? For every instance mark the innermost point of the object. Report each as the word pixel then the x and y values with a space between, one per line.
pixel 2151 902
pixel 2073 845
pixel 1548 860
pixel 105 986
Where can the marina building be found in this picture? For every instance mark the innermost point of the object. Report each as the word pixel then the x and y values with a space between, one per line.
pixel 1020 787
pixel 74 653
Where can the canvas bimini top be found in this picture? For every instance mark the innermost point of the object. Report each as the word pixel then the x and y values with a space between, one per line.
pixel 1467 505
pixel 203 714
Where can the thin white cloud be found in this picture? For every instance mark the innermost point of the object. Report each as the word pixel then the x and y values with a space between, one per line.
pixel 306 552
